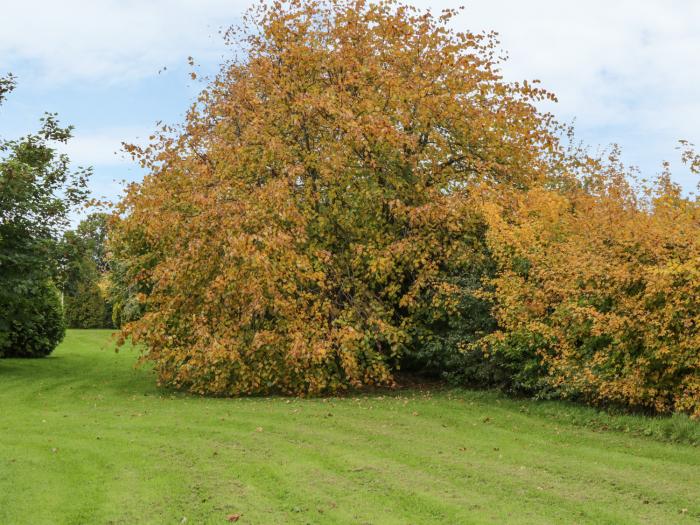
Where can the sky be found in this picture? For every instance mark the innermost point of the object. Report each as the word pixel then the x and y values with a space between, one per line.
pixel 625 72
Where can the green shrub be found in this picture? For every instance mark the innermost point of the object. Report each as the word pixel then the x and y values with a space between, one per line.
pixel 32 323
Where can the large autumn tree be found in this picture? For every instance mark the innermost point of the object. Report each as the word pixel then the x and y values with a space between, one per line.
pixel 313 224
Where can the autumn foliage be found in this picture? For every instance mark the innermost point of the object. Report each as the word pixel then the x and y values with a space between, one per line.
pixel 599 285
pixel 358 190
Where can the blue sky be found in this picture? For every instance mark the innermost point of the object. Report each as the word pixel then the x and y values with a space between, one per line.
pixel 627 71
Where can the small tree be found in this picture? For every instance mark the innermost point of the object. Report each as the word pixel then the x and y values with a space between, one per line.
pixel 37 191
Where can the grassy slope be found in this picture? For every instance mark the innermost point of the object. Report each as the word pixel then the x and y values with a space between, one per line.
pixel 86 438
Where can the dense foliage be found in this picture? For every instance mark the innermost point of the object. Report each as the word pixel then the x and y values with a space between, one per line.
pixel 359 192
pixel 37 190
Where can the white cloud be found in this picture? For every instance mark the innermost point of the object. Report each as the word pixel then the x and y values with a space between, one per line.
pixel 628 70
pixel 103 147
pixel 111 40
pixel 610 63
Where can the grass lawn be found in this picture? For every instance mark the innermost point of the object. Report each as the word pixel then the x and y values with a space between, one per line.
pixel 87 439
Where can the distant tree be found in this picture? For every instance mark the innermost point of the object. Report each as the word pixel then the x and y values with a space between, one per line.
pixel 85 307
pixel 83 271
pixel 123 291
pixel 93 232
pixel 37 191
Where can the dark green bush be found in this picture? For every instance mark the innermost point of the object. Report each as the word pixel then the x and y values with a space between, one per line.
pixel 443 344
pixel 442 337
pixel 32 321
pixel 513 365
